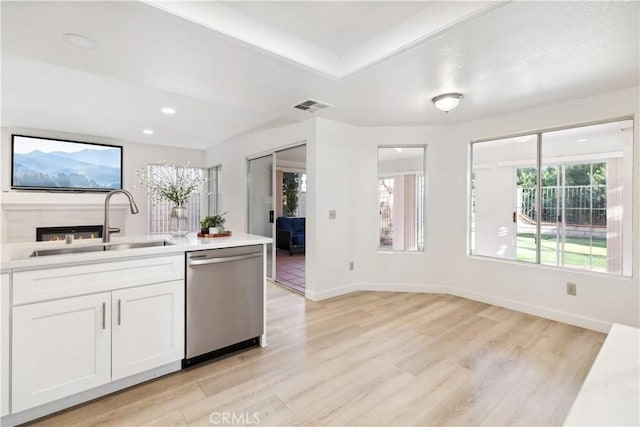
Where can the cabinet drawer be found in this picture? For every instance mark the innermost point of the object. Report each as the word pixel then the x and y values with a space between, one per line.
pixel 53 283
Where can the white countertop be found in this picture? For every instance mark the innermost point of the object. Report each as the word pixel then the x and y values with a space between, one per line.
pixel 16 255
pixel 609 395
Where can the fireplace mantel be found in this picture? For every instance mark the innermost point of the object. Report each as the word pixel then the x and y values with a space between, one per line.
pixel 12 200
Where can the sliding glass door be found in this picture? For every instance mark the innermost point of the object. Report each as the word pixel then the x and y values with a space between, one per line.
pixel 260 181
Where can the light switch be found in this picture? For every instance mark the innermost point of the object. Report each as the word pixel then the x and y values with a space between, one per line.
pixel 332 214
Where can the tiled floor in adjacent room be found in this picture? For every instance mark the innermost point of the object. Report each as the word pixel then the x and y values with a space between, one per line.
pixel 290 270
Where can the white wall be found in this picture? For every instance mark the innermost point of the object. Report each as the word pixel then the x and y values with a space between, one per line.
pixel 601 299
pixel 233 154
pixel 333 165
pixel 135 156
pixel 341 169
pixel 420 271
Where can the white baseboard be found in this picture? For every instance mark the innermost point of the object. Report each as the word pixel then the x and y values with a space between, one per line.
pixel 329 293
pixel 401 287
pixel 536 310
pixel 378 287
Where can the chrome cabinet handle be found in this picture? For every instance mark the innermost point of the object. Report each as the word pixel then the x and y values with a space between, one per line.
pixel 224 259
pixel 104 315
pixel 119 312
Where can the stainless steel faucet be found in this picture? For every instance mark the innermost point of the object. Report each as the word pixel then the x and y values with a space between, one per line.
pixel 106 231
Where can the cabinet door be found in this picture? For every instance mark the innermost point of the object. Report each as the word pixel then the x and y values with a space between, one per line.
pixel 60 348
pixel 5 321
pixel 148 327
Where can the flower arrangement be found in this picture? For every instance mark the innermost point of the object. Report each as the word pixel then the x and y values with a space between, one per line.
pixel 170 182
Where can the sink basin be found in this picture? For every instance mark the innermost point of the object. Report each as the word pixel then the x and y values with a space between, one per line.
pixel 100 248
pixel 124 246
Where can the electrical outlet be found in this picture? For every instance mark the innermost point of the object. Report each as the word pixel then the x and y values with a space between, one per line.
pixel 351 265
pixel 332 214
pixel 571 289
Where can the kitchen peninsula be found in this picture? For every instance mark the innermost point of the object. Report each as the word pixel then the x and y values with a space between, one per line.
pixel 85 319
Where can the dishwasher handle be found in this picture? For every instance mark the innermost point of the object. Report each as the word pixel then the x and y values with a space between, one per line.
pixel 223 259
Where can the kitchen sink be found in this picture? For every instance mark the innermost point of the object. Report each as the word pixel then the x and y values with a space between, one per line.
pixel 100 248
pixel 124 246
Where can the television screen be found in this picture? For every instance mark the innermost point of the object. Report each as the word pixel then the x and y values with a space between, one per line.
pixel 54 164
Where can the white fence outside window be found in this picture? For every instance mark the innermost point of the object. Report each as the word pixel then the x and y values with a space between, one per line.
pixel 159 211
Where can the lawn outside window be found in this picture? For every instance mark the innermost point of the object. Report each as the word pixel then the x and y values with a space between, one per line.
pixel 559 198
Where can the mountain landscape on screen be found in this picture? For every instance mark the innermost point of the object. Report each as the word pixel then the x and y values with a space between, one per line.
pixel 88 168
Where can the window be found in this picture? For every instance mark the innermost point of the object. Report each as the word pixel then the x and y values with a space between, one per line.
pixel 401 195
pixel 215 190
pixel 555 198
pixel 294 194
pixel 159 212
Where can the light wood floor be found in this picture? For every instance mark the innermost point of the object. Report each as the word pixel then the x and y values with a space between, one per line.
pixel 373 359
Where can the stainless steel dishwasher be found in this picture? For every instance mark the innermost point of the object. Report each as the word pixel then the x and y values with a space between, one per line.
pixel 225 301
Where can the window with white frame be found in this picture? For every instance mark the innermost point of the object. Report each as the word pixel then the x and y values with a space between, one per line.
pixel 159 210
pixel 401 195
pixel 560 198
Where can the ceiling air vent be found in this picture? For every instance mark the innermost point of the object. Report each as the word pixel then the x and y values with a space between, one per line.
pixel 312 106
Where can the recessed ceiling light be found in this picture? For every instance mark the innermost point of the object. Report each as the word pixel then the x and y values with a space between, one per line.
pixel 78 40
pixel 447 101
pixel 582 140
pixel 168 110
pixel 147 131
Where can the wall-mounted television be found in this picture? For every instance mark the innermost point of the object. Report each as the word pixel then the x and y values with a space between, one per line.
pixel 61 165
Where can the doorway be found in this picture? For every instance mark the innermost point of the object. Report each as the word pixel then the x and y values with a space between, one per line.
pixel 291 211
pixel 277 187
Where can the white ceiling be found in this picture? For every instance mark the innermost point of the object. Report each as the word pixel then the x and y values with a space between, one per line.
pixel 330 26
pixel 515 56
pixel 334 38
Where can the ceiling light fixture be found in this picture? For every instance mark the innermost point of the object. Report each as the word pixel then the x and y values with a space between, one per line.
pixel 147 131
pixel 78 40
pixel 447 102
pixel 168 110
pixel 582 140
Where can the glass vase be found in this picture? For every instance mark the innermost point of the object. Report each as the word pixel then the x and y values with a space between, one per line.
pixel 178 221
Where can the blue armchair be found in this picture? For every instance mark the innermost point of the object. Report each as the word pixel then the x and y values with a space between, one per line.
pixel 290 234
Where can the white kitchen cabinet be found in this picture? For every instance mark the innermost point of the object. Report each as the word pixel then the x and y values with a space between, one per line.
pixel 60 348
pixel 147 327
pixel 70 345
pixel 5 316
